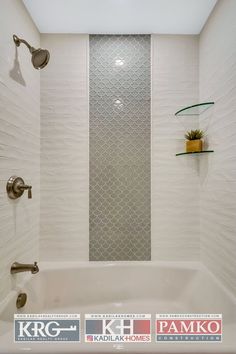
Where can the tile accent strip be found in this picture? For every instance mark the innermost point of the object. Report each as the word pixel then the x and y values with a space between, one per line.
pixel 120 148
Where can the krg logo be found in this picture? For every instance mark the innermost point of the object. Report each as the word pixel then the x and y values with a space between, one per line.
pixel 47 327
pixel 118 328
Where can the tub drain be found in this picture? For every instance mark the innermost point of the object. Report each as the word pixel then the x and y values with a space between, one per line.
pixel 21 300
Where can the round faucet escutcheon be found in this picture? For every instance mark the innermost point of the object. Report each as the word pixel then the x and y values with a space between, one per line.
pixel 16 186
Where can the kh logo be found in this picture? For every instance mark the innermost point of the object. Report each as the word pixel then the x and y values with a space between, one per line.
pixel 47 327
pixel 189 328
pixel 117 328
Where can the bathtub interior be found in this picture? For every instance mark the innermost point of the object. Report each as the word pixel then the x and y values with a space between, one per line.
pixel 142 287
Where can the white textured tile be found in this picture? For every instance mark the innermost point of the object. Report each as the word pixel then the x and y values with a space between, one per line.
pixel 19 142
pixel 218 171
pixel 64 149
pixel 175 180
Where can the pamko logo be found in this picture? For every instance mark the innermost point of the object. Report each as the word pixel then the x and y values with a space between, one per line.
pixel 118 328
pixel 188 328
pixel 47 327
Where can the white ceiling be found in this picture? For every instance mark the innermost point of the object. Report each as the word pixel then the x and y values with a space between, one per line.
pixel 120 16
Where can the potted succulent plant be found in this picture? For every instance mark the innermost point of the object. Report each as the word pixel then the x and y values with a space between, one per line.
pixel 194 140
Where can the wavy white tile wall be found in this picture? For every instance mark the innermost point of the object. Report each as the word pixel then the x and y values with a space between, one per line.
pixel 19 142
pixel 175 180
pixel 64 149
pixel 218 171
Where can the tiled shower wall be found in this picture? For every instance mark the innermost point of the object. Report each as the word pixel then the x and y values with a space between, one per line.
pixel 64 149
pixel 19 142
pixel 120 152
pixel 175 180
pixel 218 172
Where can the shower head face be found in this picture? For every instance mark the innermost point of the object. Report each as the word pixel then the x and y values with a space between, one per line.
pixel 40 58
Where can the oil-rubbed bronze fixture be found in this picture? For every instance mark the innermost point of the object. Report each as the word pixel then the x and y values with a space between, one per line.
pixel 16 187
pixel 21 267
pixel 40 57
pixel 21 300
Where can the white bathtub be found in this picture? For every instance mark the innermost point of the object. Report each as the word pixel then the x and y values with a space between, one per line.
pixel 126 287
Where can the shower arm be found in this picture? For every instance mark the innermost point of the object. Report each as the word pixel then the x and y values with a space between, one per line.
pixel 18 41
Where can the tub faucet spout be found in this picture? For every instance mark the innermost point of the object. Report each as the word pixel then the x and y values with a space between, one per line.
pixel 20 267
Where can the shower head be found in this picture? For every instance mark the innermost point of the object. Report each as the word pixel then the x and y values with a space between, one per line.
pixel 40 57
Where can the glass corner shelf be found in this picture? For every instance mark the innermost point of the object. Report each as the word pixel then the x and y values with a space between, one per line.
pixel 194 110
pixel 195 152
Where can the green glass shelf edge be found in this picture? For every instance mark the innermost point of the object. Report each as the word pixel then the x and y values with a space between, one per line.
pixel 195 152
pixel 184 111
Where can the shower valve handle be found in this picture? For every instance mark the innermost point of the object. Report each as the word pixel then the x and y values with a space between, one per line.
pixel 26 187
pixel 30 193
pixel 16 187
